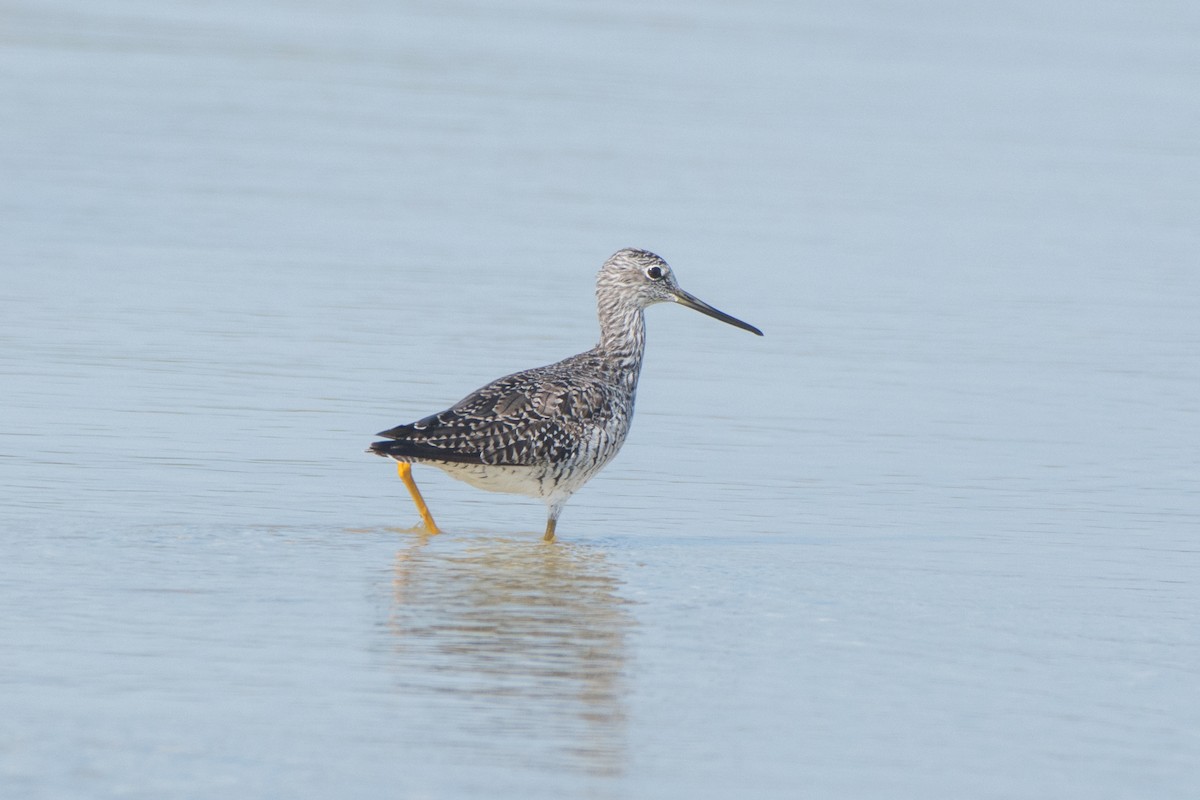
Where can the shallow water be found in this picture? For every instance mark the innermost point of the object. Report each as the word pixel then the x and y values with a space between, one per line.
pixel 934 535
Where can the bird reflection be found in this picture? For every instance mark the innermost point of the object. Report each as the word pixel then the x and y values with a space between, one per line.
pixel 521 646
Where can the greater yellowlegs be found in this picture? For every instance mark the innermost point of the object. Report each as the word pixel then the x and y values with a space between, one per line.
pixel 545 432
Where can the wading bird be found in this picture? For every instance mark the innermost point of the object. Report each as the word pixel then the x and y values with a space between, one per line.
pixel 545 432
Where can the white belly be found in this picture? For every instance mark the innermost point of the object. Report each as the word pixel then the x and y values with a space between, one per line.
pixel 511 480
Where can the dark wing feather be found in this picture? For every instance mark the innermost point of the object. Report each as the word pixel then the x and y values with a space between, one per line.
pixel 533 417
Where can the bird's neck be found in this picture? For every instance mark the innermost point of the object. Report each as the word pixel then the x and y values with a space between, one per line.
pixel 623 340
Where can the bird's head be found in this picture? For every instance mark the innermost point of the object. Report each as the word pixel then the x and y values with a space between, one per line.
pixel 639 278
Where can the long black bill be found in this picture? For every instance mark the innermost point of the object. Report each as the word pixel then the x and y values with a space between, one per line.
pixel 695 303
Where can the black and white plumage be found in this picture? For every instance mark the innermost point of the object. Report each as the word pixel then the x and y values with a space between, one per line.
pixel 546 431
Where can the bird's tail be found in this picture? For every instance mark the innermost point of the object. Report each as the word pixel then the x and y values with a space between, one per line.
pixel 408 450
pixel 380 449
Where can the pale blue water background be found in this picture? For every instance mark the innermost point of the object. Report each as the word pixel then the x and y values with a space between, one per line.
pixel 934 536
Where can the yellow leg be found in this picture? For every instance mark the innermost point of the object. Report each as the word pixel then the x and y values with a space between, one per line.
pixel 551 524
pixel 405 471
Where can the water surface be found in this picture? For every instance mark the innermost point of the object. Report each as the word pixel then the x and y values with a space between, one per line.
pixel 932 536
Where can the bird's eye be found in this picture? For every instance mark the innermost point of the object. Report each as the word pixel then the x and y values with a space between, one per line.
pixel 654 273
